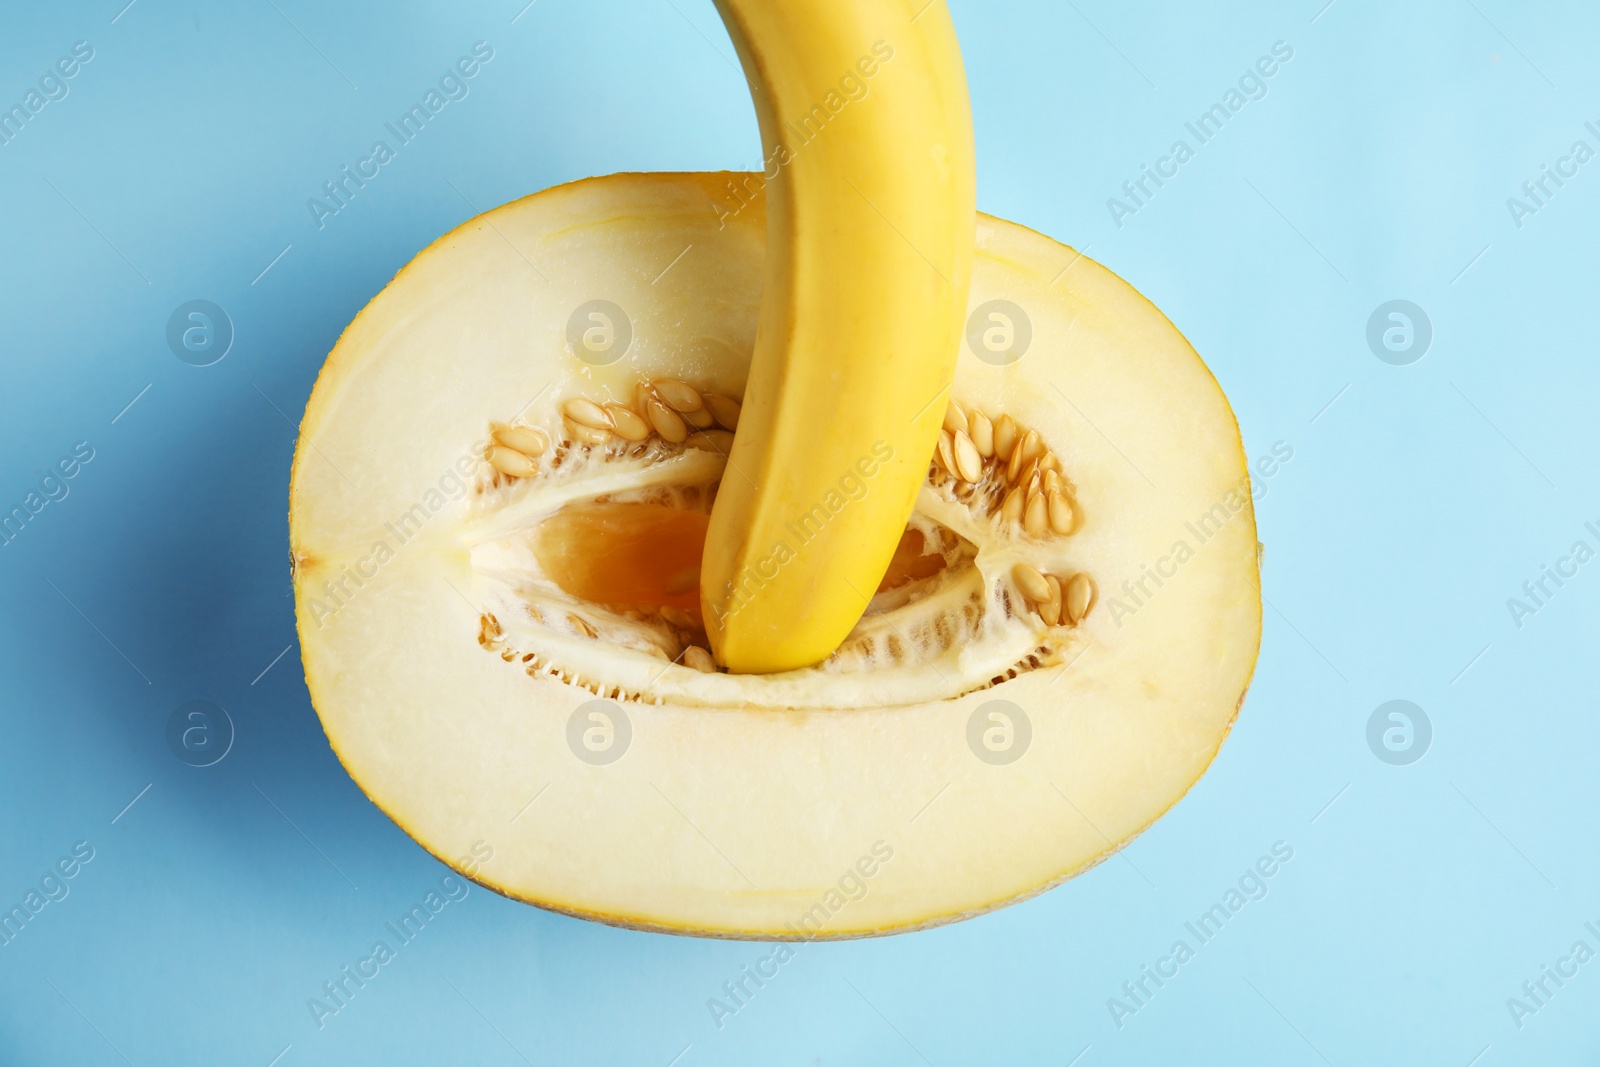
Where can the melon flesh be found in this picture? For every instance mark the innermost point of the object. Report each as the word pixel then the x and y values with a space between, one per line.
pixel 838 801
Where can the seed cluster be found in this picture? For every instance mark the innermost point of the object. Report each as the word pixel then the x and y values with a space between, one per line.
pixel 514 450
pixel 1058 603
pixel 994 465
pixel 1013 461
pixel 698 658
pixel 666 408
pixel 688 630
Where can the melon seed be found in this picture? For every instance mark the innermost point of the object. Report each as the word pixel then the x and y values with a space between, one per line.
pixel 1079 597
pixel 511 462
pixel 683 581
pixel 668 423
pixel 586 413
pixel 698 658
pixel 681 619
pixel 947 457
pixel 718 441
pixel 628 424
pixel 968 463
pixel 1050 610
pixel 524 439
pixel 954 418
pixel 1017 461
pixel 982 431
pixel 1005 436
pixel 680 395
pixel 584 433
pixel 1011 509
pixel 725 411
pixel 1031 582
pixel 1032 447
pixel 1036 518
pixel 1060 513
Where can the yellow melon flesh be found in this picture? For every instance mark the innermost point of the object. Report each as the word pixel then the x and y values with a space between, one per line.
pixel 741 808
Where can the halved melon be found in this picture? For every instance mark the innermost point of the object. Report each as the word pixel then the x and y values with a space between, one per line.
pixel 499 499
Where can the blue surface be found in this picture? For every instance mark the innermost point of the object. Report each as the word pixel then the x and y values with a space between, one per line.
pixel 1419 498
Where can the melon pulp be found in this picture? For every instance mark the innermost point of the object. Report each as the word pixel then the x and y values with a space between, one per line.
pixel 635 556
pixel 452 633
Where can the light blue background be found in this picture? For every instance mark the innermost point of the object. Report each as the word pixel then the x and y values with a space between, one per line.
pixel 1377 167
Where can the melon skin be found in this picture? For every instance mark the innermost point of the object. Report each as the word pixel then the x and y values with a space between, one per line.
pixel 860 817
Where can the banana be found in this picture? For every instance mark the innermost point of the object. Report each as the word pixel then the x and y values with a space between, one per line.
pixel 866 131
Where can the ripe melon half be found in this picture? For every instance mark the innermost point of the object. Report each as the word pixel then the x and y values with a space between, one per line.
pixel 497 598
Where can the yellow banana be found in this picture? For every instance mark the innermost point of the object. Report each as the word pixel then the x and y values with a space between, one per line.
pixel 866 132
